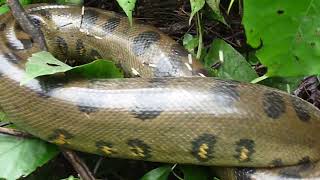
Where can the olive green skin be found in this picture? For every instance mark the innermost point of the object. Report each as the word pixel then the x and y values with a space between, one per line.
pixel 170 114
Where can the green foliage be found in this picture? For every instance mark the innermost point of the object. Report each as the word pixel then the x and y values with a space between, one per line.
pixel 127 6
pixel 190 42
pixel 43 63
pixel 232 64
pixel 21 156
pixel 194 172
pixel 196 5
pixel 189 172
pixel 160 173
pixel 288 32
pixel 98 69
pixel 214 5
pixel 288 84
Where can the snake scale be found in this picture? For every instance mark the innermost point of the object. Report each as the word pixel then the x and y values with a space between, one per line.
pixel 171 113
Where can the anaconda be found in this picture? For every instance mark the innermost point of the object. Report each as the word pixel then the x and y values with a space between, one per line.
pixel 171 113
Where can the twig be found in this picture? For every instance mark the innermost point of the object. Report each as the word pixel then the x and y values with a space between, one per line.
pixel 96 167
pixel 14 132
pixel 78 164
pixel 23 19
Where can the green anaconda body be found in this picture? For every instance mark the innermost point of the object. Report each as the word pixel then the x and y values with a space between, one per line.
pixel 171 113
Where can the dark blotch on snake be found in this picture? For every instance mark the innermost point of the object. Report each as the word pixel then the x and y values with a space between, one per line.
pixel 301 109
pixel 143 41
pixel 305 164
pixel 111 24
pixel 49 83
pixel 203 147
pixel 45 13
pixel 105 147
pixel 145 115
pixel 11 57
pixel 244 149
pixel 87 109
pixel 80 48
pixel 273 104
pixel 56 133
pixel 94 54
pixel 2 26
pixel 139 148
pixel 178 50
pixel 27 44
pixel 276 163
pixel 226 93
pixel 62 45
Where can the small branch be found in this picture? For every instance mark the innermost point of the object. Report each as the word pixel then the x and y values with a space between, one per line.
pixel 22 17
pixel 14 132
pixel 78 164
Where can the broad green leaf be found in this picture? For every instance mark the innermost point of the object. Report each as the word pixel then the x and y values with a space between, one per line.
pixel 3 9
pixel 98 69
pixel 214 5
pixel 127 6
pixel 43 63
pixel 289 33
pixel 233 64
pixel 194 172
pixel 160 173
pixel 288 84
pixel 196 5
pixel 21 156
pixel 190 42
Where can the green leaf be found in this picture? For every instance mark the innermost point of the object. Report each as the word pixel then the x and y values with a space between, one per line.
pixel 98 69
pixel 43 63
pixel 160 173
pixel 234 66
pixel 190 42
pixel 4 8
pixel 127 6
pixel 196 5
pixel 214 5
pixel 194 172
pixel 288 84
pixel 21 156
pixel 289 33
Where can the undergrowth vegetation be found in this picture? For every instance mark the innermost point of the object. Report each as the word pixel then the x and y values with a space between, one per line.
pixel 275 43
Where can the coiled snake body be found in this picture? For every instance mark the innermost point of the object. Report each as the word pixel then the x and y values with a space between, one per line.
pixel 169 114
